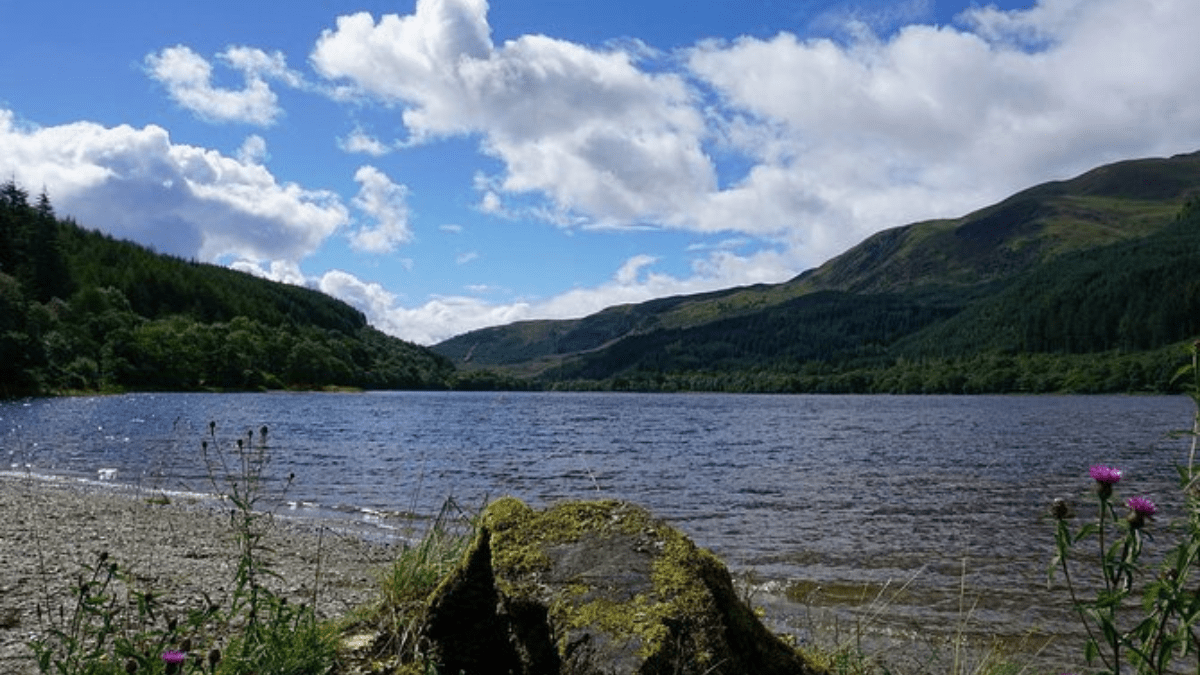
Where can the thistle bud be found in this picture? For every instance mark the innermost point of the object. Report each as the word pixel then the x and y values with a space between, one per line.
pixel 1061 510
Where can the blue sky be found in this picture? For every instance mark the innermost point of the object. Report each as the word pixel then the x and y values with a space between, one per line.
pixel 446 165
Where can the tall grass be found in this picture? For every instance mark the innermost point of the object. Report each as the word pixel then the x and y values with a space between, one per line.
pixel 386 632
pixel 109 625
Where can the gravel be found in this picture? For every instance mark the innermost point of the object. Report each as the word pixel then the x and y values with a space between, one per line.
pixel 50 529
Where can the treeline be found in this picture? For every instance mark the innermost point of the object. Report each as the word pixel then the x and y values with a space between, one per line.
pixel 988 373
pixel 80 311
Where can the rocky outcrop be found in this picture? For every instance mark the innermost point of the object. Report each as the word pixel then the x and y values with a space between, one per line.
pixel 594 588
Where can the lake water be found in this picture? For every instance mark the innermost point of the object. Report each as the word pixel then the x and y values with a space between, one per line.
pixel 887 510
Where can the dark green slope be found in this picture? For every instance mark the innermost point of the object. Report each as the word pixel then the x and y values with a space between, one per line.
pixel 901 294
pixel 1130 296
pixel 82 311
pixel 158 286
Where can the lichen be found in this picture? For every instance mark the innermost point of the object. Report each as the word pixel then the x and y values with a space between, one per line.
pixel 521 537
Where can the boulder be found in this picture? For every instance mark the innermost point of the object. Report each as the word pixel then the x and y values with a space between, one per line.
pixel 594 588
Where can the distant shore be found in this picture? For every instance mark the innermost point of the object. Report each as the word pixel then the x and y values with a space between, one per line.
pixel 51 528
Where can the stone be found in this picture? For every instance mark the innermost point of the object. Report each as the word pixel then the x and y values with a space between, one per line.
pixel 595 588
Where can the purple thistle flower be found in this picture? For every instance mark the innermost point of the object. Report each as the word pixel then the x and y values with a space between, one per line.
pixel 1140 510
pixel 1106 475
pixel 1141 506
pixel 174 656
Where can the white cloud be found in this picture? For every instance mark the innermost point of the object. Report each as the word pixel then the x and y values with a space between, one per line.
pixel 256 63
pixel 180 199
pixel 188 78
pixel 359 142
pixel 285 271
pixel 370 298
pixel 253 150
pixel 586 128
pixel 464 258
pixel 385 203
pixel 628 273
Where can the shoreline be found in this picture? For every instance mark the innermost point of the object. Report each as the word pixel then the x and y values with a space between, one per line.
pixel 51 528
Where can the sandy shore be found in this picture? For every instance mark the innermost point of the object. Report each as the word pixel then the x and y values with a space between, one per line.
pixel 49 529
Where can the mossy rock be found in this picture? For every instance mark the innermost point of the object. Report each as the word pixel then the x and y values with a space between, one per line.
pixel 595 588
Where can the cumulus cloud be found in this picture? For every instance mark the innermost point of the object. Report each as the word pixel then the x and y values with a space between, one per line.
pixel 188 78
pixel 285 271
pixel 385 204
pixel 358 141
pixel 180 199
pixel 586 128
pixel 253 150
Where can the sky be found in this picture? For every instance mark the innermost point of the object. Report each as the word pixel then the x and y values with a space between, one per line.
pixel 448 165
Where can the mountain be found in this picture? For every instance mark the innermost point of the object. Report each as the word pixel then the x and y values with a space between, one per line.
pixel 1110 249
pixel 80 311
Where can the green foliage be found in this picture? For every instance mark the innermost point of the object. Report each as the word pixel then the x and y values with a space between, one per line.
pixel 82 311
pixel 1164 626
pixel 394 619
pixel 109 626
pixel 1130 296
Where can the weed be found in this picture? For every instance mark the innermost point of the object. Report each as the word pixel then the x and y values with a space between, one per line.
pixel 1122 632
pixel 393 620
pixel 111 626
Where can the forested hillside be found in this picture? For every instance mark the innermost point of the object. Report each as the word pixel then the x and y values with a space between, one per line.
pixel 1085 285
pixel 1109 319
pixel 82 311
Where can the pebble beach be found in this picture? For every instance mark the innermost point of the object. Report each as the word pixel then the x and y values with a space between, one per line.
pixel 50 529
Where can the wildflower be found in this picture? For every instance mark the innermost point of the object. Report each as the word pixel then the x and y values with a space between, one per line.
pixel 173 659
pixel 1105 477
pixel 1140 510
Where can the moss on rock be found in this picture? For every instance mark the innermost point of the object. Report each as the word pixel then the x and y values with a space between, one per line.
pixel 595 587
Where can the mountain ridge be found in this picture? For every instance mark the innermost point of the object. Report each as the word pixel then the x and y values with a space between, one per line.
pixel 940 265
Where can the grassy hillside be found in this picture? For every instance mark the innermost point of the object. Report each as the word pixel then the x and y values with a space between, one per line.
pixel 997 281
pixel 82 311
